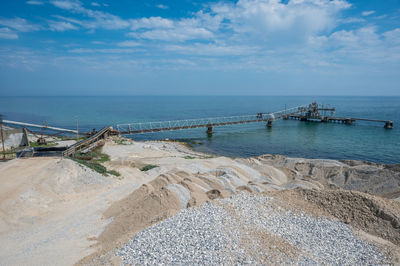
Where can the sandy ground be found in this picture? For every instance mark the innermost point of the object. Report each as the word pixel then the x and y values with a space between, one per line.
pixel 51 209
pixel 54 210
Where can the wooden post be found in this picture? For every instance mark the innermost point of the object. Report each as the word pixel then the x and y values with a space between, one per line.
pixel 2 137
pixel 389 124
pixel 209 130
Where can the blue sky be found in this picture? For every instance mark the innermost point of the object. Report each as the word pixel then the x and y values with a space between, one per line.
pixel 245 47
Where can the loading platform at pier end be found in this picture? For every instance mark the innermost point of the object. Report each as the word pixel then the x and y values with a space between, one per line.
pixel 311 112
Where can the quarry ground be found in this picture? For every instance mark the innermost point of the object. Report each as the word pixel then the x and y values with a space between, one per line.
pixel 56 210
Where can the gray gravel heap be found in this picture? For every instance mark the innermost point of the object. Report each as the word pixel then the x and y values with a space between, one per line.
pixel 212 234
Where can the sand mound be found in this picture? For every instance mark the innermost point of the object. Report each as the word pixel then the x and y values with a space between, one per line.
pixel 373 215
pixel 55 206
pixel 376 179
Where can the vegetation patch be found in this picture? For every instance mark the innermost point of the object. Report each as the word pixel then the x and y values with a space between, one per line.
pixel 207 157
pixel 148 167
pixel 120 142
pixel 94 160
pixel 7 155
pixel 34 144
pixel 113 172
pixel 94 156
pixel 187 145
pixel 92 165
pixel 189 157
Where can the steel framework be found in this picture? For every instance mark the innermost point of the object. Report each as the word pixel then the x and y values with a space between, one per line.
pixel 146 127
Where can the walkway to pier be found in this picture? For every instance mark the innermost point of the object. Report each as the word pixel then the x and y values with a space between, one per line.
pixel 209 123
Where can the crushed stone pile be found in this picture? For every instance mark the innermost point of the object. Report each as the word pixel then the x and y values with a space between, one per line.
pixel 248 229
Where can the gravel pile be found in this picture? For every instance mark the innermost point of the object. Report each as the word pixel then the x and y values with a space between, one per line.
pixel 246 229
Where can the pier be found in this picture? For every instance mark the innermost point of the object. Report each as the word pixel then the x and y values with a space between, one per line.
pixel 312 112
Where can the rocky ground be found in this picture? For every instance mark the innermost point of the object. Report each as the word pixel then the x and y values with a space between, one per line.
pixel 248 229
pixel 194 208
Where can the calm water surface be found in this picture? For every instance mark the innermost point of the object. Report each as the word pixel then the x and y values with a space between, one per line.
pixel 363 141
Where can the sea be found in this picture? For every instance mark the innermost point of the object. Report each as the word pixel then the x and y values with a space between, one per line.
pixel 361 141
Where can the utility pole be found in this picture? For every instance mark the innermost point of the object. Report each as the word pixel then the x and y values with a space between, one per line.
pixel 77 128
pixel 2 136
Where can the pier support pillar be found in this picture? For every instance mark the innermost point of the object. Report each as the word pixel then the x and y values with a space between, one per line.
pixel 303 119
pixel 389 124
pixel 269 123
pixel 325 119
pixel 209 130
pixel 348 122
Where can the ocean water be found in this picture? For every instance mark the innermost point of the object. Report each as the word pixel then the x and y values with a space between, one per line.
pixel 362 141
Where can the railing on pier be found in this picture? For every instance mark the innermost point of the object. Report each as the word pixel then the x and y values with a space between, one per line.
pixel 146 127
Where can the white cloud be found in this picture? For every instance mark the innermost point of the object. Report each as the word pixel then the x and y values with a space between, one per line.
pixel 103 51
pixel 6 33
pixel 361 45
pixel 176 34
pixel 95 4
pixel 105 20
pixel 157 28
pixel 392 36
pixel 151 22
pixel 61 26
pixel 19 24
pixel 367 13
pixel 247 21
pixel 213 50
pixel 161 6
pixel 352 20
pixel 100 19
pixel 33 2
pixel 128 44
pixel 67 4
pixel 269 19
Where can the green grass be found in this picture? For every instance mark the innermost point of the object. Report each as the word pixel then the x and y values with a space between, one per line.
pixel 189 157
pixel 207 157
pixel 113 172
pixel 120 142
pixel 8 155
pixel 48 144
pixel 92 165
pixel 95 156
pixel 148 167
pixel 187 145
pixel 94 160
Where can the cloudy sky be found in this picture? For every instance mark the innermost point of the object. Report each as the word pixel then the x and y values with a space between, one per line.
pixel 245 47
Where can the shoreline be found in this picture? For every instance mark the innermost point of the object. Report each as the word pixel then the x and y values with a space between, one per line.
pixel 351 161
